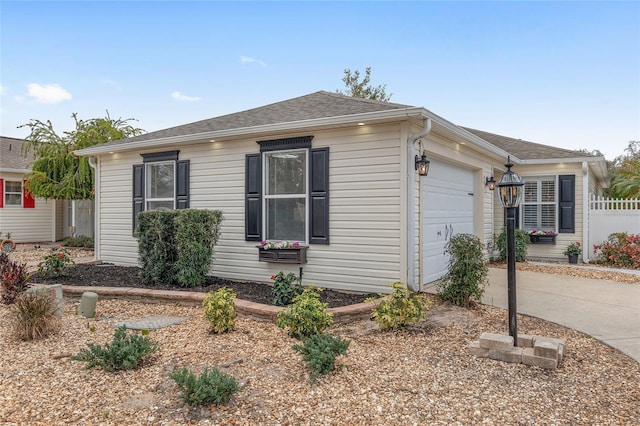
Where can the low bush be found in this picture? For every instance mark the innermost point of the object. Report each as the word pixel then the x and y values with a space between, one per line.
pixel 320 352
pixel 35 314
pixel 56 263
pixel 467 271
pixel 14 279
pixel 522 242
pixel 306 316
pixel 620 249
pixel 220 310
pixel 401 309
pixel 125 352
pixel 211 387
pixel 83 241
pixel 285 288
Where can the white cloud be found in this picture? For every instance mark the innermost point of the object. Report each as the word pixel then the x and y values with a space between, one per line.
pixel 184 98
pixel 48 93
pixel 250 60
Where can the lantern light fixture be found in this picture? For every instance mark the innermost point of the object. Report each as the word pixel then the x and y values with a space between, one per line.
pixel 510 187
pixel 422 164
pixel 490 182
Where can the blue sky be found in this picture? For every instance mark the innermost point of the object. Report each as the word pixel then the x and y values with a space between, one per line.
pixel 565 74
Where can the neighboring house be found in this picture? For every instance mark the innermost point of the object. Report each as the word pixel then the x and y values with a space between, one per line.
pixel 30 219
pixel 333 172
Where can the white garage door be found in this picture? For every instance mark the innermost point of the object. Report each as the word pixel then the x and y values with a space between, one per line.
pixel 447 207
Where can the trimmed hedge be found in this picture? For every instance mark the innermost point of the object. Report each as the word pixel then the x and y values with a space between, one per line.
pixel 176 246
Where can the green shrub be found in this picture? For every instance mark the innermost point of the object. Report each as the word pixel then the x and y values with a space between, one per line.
pixel 320 352
pixel 14 278
pixel 35 315
pixel 522 242
pixel 285 288
pixel 220 310
pixel 467 274
pixel 124 353
pixel 620 249
pixel 307 315
pixel 157 246
pixel 56 264
pixel 400 310
pixel 211 387
pixel 197 233
pixel 83 241
pixel 176 246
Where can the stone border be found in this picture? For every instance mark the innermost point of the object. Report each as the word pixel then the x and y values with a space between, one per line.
pixel 544 352
pixel 341 315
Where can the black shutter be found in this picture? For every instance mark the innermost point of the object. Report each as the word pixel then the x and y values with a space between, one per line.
pixel 319 196
pixel 138 192
pixel 253 198
pixel 182 184
pixel 567 204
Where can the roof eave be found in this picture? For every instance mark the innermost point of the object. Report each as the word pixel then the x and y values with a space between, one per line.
pixel 563 160
pixel 369 117
pixel 10 170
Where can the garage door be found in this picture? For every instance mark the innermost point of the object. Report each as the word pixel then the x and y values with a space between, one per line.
pixel 447 208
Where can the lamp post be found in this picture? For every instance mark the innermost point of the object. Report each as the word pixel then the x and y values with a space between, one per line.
pixel 510 189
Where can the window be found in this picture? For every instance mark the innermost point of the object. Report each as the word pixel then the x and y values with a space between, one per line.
pixel 12 193
pixel 539 206
pixel 285 200
pixel 160 185
pixel 161 182
pixel 287 192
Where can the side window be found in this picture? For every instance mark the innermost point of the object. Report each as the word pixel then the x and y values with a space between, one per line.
pixel 160 185
pixel 539 207
pixel 12 193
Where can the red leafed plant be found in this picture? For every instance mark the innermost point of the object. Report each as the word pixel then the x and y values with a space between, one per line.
pixel 14 279
pixel 621 249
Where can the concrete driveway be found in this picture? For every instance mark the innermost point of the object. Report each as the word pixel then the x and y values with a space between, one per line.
pixel 606 310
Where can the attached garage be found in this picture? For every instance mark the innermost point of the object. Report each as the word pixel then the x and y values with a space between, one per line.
pixel 447 208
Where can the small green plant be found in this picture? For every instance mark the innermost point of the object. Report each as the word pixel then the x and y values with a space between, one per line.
pixel 467 273
pixel 14 279
pixel 220 310
pixel 573 249
pixel 125 352
pixel 307 315
pixel 285 288
pixel 83 241
pixel 522 242
pixel 400 310
pixel 35 315
pixel 320 352
pixel 211 387
pixel 56 263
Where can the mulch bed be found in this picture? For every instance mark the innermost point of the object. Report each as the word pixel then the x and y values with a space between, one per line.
pixel 107 275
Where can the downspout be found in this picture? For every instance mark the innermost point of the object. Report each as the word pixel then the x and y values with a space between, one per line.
pixel 585 212
pixel 93 162
pixel 411 205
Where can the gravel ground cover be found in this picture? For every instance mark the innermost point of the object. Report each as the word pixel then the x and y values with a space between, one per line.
pixel 424 375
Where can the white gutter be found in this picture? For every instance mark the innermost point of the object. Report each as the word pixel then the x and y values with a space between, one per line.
pixel 563 160
pixel 411 205
pixel 267 128
pixel 585 212
pixel 21 171
pixel 96 208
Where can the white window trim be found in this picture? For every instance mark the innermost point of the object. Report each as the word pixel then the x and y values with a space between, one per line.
pixel 148 199
pixel 21 193
pixel 266 197
pixel 541 203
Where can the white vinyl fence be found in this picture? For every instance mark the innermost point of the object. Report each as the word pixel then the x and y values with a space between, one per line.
pixel 607 215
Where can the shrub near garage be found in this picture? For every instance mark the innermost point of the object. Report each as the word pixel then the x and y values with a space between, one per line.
pixel 522 242
pixel 306 316
pixel 400 310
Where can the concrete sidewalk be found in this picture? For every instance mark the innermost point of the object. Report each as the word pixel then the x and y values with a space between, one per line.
pixel 606 310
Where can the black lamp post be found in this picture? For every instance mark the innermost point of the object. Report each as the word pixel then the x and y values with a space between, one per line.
pixel 510 189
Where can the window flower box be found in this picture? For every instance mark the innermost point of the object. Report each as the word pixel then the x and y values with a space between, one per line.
pixel 282 252
pixel 542 237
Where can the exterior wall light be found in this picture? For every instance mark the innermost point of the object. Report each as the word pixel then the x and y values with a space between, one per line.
pixel 490 182
pixel 422 164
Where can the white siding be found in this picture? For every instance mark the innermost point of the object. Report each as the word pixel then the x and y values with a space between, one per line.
pixel 27 225
pixel 364 216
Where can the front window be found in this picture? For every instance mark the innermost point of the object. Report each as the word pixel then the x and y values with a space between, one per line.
pixel 160 185
pixel 285 201
pixel 539 205
pixel 12 193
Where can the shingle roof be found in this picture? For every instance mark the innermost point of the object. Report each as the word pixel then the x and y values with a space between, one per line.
pixel 315 105
pixel 526 150
pixel 10 155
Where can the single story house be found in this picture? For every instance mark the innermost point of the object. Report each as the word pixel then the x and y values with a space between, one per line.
pixel 30 219
pixel 338 174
